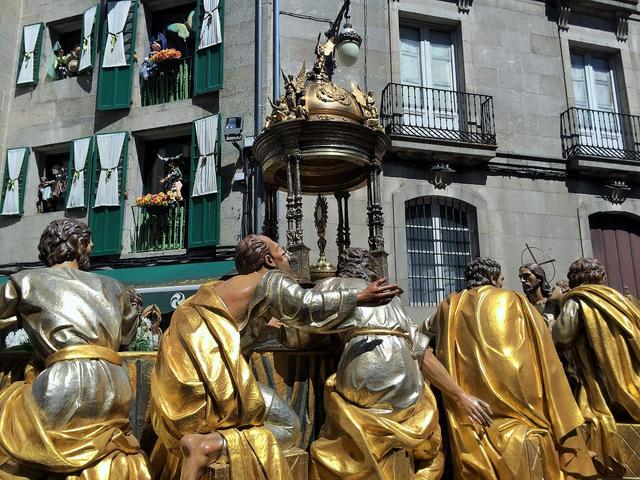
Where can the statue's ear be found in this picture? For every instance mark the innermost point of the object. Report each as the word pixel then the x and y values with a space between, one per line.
pixel 269 262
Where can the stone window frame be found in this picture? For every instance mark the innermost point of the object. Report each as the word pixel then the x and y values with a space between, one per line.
pixel 398 263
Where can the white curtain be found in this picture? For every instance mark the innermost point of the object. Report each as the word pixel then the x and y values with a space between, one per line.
pixel 11 204
pixel 210 31
pixel 88 20
pixel 30 35
pixel 109 151
pixel 117 13
pixel 76 192
pixel 206 136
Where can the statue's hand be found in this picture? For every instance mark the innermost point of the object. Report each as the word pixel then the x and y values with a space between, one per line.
pixel 377 293
pixel 476 410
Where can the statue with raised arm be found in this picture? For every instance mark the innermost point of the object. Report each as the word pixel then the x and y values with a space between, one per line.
pixel 206 403
pixel 598 332
pixel 72 419
pixel 382 419
pixel 497 347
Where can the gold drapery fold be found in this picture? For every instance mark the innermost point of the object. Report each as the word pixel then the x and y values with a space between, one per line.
pixel 607 361
pixel 201 383
pixel 98 451
pixel 498 348
pixel 358 443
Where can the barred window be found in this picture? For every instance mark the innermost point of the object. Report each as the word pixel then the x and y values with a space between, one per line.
pixel 442 237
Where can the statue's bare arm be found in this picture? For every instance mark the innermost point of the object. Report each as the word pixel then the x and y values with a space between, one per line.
pixel 476 410
pixel 9 301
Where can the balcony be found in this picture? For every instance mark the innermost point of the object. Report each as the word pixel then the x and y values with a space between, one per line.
pixel 159 228
pixel 169 83
pixel 456 127
pixel 596 142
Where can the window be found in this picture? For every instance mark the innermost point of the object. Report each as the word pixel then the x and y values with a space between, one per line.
pixel 66 38
pixel 594 89
pixel 15 172
pixel 209 56
pixel 52 179
pixel 616 243
pixel 165 169
pixel 167 69
pixel 442 237
pixel 108 184
pixel 117 55
pixel 30 51
pixel 428 77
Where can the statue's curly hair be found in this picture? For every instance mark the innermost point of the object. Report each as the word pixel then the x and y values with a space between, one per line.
pixel 250 256
pixel 357 263
pixel 481 271
pixel 585 271
pixel 563 285
pixel 64 241
pixel 540 274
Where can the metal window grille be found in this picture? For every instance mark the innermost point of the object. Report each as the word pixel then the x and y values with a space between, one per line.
pixel 442 237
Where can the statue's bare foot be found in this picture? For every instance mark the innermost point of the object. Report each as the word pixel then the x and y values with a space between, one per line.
pixel 199 451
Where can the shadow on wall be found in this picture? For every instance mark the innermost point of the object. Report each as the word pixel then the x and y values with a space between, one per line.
pixel 85 82
pixel 106 118
pixel 226 172
pixel 24 90
pixel 210 103
pixel 420 169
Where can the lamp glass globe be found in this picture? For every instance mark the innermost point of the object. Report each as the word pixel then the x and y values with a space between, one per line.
pixel 348 52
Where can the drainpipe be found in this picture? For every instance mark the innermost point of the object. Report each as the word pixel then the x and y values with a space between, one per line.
pixel 276 78
pixel 258 113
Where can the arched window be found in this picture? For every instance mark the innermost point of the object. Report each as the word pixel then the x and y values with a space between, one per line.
pixel 442 236
pixel 615 239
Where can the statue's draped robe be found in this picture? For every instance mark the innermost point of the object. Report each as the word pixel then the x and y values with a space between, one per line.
pixel 381 416
pixel 72 419
pixel 599 330
pixel 498 348
pixel 201 382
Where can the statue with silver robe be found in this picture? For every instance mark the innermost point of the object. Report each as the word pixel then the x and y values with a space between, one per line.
pixel 71 418
pixel 382 420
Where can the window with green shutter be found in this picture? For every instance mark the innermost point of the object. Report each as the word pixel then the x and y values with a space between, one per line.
pixel 89 39
pixel 204 209
pixel 117 55
pixel 14 179
pixel 30 50
pixel 105 221
pixel 209 56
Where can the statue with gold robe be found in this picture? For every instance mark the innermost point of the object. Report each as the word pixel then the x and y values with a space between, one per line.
pixel 206 403
pixel 497 347
pixel 382 420
pixel 598 331
pixel 71 419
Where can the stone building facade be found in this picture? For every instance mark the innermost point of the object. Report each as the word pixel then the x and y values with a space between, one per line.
pixel 513 123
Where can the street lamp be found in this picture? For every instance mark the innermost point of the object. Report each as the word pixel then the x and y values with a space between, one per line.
pixel 346 41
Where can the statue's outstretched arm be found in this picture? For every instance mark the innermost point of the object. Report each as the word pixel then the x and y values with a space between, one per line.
pixel 566 328
pixel 305 309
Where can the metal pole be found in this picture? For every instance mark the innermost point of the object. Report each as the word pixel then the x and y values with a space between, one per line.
pixel 258 109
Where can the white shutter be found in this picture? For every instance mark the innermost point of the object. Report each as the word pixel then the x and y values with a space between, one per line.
pixel 579 78
pixel 410 64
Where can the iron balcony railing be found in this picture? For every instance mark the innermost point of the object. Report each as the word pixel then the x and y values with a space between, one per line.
pixel 595 133
pixel 171 82
pixel 159 228
pixel 440 115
